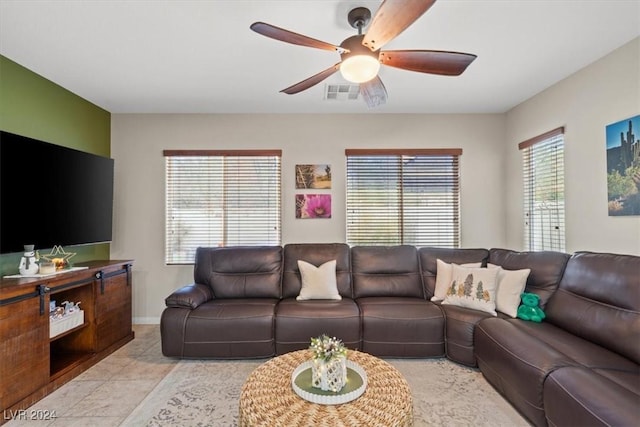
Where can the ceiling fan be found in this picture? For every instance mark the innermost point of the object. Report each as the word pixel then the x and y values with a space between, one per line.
pixel 361 55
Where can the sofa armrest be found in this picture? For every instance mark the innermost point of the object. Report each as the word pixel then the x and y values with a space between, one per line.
pixel 190 296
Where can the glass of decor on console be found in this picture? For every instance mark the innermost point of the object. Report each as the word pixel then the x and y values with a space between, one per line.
pixel 329 363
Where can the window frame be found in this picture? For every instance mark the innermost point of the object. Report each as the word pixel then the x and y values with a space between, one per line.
pixel 423 230
pixel 243 180
pixel 538 236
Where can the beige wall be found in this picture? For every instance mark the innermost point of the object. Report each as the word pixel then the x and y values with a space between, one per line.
pixel 605 92
pixel 138 141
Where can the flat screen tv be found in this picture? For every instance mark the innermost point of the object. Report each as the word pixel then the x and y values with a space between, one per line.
pixel 52 195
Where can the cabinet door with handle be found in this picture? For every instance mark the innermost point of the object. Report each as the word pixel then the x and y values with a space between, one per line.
pixel 113 305
pixel 24 348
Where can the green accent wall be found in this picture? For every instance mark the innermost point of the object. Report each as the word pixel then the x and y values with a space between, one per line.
pixel 33 106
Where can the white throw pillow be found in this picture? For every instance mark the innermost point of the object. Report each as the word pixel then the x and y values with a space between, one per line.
pixel 473 288
pixel 318 282
pixel 443 278
pixel 511 284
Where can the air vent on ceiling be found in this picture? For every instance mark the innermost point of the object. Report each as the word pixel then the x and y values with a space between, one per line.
pixel 342 92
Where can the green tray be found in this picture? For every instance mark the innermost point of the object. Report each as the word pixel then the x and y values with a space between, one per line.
pixel 355 387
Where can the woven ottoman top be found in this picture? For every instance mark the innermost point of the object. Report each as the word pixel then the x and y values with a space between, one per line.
pixel 267 398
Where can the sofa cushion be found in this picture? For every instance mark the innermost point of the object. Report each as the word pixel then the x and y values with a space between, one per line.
pixel 318 282
pixel 444 277
pixel 428 262
pixel 581 397
pixel 599 300
pixel 401 327
pixel 384 271
pixel 546 267
pixel 316 254
pixel 459 325
pixel 473 288
pixel 627 379
pixel 297 321
pixel 583 352
pixel 228 328
pixel 516 364
pixel 240 272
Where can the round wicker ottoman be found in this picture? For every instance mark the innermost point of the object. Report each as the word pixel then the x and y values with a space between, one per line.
pixel 267 398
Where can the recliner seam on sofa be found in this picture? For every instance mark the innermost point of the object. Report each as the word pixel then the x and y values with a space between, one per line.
pixel 227 342
pixel 230 318
pixel 596 302
pixel 401 318
pixel 575 400
pixel 505 384
pixel 518 357
pixel 403 342
pixel 289 316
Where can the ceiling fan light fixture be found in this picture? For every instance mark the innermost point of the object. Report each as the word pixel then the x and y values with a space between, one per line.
pixel 359 64
pixel 359 68
pixel 361 56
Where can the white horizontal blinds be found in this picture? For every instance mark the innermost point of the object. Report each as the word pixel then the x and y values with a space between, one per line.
pixel 193 206
pixel 252 201
pixel 403 197
pixel 431 201
pixel 220 198
pixel 374 193
pixel 543 172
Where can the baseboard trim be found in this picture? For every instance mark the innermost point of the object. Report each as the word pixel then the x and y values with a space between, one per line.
pixel 146 320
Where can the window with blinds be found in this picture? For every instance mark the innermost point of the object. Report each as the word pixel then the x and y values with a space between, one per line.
pixel 403 197
pixel 220 198
pixel 543 172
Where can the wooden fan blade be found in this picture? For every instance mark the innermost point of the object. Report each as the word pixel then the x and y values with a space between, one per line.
pixel 392 18
pixel 291 37
pixel 428 61
pixel 373 92
pixel 311 81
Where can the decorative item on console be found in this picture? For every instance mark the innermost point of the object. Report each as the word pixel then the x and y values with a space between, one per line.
pixel 57 312
pixel 329 363
pixel 28 262
pixel 62 319
pixel 59 257
pixel 47 267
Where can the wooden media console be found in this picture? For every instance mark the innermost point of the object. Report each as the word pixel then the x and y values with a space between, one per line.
pixel 32 364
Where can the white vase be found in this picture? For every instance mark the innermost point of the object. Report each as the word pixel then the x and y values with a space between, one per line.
pixel 329 374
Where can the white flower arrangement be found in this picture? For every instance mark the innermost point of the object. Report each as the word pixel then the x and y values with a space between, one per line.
pixel 329 363
pixel 327 348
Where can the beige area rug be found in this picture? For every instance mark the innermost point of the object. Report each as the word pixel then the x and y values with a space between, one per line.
pixel 206 393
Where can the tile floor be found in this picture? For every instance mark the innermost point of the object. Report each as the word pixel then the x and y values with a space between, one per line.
pixel 105 394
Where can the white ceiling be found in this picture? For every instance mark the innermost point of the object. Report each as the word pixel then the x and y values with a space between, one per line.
pixel 180 56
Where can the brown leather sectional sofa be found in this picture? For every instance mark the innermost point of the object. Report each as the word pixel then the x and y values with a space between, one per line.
pixel 580 366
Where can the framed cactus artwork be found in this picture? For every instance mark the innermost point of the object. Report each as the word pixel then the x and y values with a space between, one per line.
pixel 314 177
pixel 623 167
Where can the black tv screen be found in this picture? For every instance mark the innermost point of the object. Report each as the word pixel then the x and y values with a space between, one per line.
pixel 52 195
